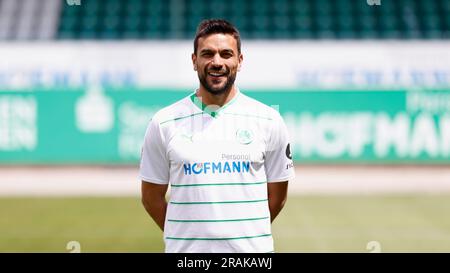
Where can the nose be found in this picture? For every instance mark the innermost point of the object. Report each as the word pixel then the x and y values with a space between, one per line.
pixel 216 61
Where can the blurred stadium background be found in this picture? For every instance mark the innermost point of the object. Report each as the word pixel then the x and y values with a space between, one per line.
pixel 364 87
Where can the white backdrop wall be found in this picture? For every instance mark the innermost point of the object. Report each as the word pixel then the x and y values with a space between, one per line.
pixel 267 65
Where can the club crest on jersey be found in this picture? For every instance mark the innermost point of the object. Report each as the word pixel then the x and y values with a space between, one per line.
pixel 244 136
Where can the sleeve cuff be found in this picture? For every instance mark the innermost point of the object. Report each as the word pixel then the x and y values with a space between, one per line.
pixel 154 180
pixel 280 179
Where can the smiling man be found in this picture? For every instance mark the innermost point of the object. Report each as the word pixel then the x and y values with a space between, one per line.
pixel 226 156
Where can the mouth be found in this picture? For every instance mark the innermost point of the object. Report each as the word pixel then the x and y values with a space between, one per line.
pixel 217 74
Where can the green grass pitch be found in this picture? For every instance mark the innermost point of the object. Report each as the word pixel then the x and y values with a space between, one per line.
pixel 335 223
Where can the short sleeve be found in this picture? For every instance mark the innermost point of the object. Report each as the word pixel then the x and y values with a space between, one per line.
pixel 278 158
pixel 154 165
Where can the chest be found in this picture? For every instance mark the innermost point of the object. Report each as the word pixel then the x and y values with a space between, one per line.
pixel 226 139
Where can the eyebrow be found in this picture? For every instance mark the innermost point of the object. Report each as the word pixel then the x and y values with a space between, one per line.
pixel 207 50
pixel 228 51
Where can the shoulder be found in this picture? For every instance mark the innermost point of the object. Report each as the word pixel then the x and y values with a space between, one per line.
pixel 180 108
pixel 251 105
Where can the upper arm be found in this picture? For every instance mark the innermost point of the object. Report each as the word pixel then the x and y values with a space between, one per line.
pixel 277 190
pixel 154 164
pixel 278 158
pixel 150 191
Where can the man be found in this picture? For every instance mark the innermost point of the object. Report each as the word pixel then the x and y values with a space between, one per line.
pixel 225 155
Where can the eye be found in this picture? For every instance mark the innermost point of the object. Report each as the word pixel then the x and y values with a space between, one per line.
pixel 207 54
pixel 227 55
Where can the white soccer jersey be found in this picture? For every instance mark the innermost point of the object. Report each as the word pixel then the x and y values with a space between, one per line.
pixel 218 164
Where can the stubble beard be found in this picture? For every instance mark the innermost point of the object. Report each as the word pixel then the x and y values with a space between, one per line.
pixel 220 90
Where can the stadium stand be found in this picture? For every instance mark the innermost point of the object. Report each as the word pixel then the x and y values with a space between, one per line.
pixel 257 19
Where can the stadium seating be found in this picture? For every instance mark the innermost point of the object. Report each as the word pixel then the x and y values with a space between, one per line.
pixel 257 19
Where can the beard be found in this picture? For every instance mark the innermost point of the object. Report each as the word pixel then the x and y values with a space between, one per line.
pixel 230 78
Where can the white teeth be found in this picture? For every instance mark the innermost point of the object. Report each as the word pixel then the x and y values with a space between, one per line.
pixel 216 74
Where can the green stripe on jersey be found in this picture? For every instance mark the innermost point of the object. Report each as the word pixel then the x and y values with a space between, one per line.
pixel 224 220
pixel 220 202
pixel 175 119
pixel 247 115
pixel 230 238
pixel 217 184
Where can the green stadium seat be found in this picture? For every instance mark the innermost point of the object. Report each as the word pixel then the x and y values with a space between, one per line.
pixel 391 34
pixel 90 23
pixel 67 35
pixel 134 8
pixel 324 23
pixel 280 7
pixel 368 34
pixel 413 34
pixel 388 22
pixel 260 23
pixel 69 23
pixel 281 24
pixel 258 34
pixel 326 34
pixel 323 7
pixel 301 7
pixel 241 22
pixel 130 34
pixel 91 8
pixel 88 34
pixel 109 35
pixel 133 23
pixel 431 22
pixel 367 22
pixel 111 23
pixel 302 34
pixel 447 23
pixel 258 19
pixel 217 8
pixel 154 35
pixel 346 34
pixel 303 22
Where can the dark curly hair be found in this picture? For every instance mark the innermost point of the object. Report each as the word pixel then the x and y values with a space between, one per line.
pixel 211 26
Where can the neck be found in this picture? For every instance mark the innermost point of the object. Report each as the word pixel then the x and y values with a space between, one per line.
pixel 212 99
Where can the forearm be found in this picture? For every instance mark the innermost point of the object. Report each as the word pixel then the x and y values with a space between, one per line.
pixel 157 210
pixel 277 196
pixel 275 206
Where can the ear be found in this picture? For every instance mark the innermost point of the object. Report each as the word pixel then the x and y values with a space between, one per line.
pixel 194 61
pixel 241 58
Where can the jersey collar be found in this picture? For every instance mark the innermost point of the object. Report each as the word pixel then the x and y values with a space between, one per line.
pixel 209 110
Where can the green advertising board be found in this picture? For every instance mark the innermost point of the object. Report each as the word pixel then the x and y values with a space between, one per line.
pixel 95 127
